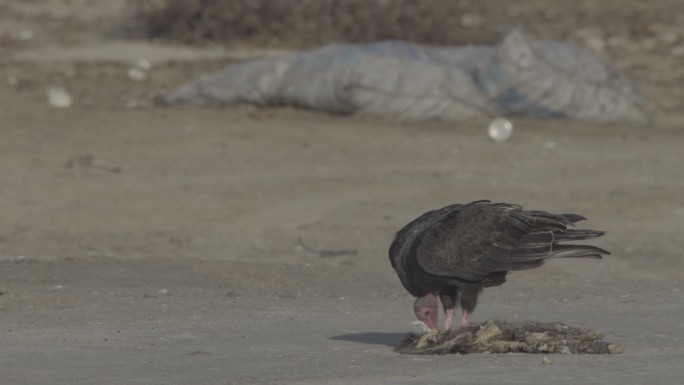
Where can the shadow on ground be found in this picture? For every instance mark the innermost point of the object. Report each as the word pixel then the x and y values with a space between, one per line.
pixel 373 338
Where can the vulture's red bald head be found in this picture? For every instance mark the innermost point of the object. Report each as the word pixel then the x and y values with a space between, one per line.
pixel 426 309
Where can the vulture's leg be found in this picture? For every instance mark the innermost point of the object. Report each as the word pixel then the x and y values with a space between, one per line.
pixel 448 316
pixel 468 300
pixel 464 320
pixel 448 297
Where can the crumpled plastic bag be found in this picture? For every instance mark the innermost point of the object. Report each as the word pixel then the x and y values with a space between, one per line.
pixel 402 81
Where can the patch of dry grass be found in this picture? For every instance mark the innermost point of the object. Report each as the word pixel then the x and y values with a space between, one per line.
pixel 303 23
pixel 501 336
pixel 310 23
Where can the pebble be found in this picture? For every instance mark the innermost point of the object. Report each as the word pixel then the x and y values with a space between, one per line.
pixel 137 74
pixel 471 20
pixel 26 35
pixel 595 43
pixel 550 145
pixel 59 97
pixel 144 64
pixel 668 37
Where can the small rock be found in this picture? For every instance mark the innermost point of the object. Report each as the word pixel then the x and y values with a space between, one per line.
pixel 90 161
pixel 471 20
pixel 550 145
pixel 26 35
pixel 143 64
pixel 595 43
pixel 59 97
pixel 137 74
pixel 592 38
pixel 546 360
pixel 668 37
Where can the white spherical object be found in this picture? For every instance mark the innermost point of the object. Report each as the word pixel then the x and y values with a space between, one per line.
pixel 500 129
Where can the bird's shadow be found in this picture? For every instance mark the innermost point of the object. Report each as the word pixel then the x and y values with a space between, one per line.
pixel 373 338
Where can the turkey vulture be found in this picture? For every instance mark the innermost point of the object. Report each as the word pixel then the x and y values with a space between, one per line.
pixel 456 251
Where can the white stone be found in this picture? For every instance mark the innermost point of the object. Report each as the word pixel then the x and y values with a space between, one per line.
pixel 137 74
pixel 59 97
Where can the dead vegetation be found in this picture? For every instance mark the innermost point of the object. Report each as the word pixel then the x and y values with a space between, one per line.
pixel 306 22
pixel 309 23
pixel 501 336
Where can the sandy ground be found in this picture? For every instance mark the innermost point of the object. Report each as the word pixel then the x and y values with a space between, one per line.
pixel 148 245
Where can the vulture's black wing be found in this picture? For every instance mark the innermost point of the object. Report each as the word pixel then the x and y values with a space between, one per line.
pixel 481 238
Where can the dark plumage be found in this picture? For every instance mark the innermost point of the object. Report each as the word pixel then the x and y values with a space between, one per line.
pixel 456 251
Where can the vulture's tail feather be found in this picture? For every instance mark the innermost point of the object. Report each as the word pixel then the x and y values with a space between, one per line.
pixel 573 218
pixel 577 235
pixel 577 251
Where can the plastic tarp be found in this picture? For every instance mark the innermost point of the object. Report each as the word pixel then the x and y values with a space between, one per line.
pixel 403 81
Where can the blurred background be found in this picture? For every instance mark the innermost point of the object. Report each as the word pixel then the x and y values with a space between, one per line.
pixel 629 36
pixel 143 238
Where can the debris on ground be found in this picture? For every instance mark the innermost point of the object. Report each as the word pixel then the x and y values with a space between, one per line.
pixel 402 81
pixel 501 336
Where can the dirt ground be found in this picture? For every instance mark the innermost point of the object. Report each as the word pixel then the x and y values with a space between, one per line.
pixel 149 245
